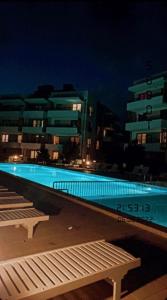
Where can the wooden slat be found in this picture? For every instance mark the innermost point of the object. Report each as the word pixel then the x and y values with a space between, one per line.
pixel 12 195
pixel 45 272
pixel 61 272
pixel 14 203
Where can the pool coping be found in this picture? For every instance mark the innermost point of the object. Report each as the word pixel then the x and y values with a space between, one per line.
pixel 98 208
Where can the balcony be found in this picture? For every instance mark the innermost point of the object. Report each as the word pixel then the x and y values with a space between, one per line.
pixel 139 106
pixel 33 114
pixel 9 129
pixel 13 145
pixel 32 130
pixel 144 126
pixel 62 131
pixel 63 114
pixel 10 115
pixel 54 147
pixel 152 147
pixel 31 146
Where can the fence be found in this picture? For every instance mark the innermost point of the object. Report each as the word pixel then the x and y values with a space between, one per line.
pixel 90 189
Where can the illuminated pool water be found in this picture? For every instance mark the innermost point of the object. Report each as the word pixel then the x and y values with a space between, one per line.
pixel 139 200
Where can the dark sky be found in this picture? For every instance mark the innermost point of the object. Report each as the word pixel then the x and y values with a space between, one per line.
pixel 94 45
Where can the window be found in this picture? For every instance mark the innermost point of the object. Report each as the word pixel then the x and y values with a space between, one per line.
pixel 90 111
pixel 55 155
pixel 163 137
pixel 33 154
pixel 56 140
pixel 5 138
pixel 75 139
pixel 19 138
pixel 37 123
pixel 97 145
pixel 141 138
pixel 88 142
pixel 76 107
pixel 104 132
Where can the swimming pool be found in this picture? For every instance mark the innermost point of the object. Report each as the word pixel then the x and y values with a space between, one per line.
pixel 139 200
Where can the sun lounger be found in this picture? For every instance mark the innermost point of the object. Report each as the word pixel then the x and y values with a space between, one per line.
pixel 10 203
pixel 12 195
pixel 52 273
pixel 3 189
pixel 26 217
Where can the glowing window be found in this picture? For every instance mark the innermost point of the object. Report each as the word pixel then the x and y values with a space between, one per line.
pixel 5 138
pixel 19 138
pixel 141 138
pixel 76 107
pixel 163 137
pixel 88 142
pixel 33 154
pixel 56 140
pixel 97 145
pixel 37 123
pixel 55 155
pixel 104 132
pixel 75 139
pixel 90 111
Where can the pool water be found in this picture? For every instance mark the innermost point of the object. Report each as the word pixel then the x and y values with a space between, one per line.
pixel 139 200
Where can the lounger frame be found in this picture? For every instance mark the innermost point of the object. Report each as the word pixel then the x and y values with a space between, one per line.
pixel 26 217
pixel 52 273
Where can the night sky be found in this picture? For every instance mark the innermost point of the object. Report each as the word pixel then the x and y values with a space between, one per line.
pixel 93 45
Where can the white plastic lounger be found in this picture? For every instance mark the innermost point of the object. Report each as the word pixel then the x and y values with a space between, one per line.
pixel 26 217
pixel 52 273
pixel 14 203
pixel 7 195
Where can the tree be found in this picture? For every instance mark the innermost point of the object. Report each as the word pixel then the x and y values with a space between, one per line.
pixel 70 151
pixel 43 155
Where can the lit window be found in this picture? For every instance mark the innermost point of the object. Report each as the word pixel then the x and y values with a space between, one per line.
pixel 141 138
pixel 88 142
pixel 19 138
pixel 104 132
pixel 76 107
pixel 5 138
pixel 55 155
pixel 98 129
pixel 90 111
pixel 33 154
pixel 37 123
pixel 75 139
pixel 97 145
pixel 163 137
pixel 56 140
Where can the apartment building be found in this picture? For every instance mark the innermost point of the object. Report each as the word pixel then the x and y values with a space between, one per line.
pixel 147 114
pixel 49 117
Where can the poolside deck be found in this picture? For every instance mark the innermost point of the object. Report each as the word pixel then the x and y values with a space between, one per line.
pixel 72 223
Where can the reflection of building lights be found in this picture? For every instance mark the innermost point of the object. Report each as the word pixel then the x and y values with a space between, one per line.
pixel 87 162
pixel 15 157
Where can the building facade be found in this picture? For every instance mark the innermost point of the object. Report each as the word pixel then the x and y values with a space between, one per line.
pixel 147 114
pixel 51 118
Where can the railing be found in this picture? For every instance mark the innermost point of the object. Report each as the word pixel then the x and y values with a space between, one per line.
pixel 93 189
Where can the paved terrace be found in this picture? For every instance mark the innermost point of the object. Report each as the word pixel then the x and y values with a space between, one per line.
pixel 71 223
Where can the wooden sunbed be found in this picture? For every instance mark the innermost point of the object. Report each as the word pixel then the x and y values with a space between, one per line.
pixel 2 188
pixel 12 195
pixel 52 273
pixel 11 203
pixel 26 217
